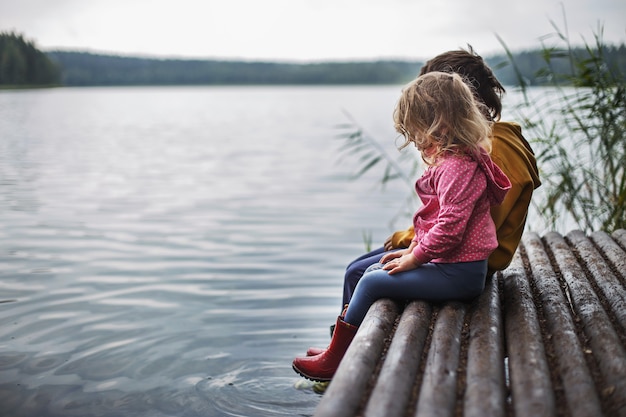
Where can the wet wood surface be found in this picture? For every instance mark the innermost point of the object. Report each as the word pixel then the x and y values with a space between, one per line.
pixel 546 338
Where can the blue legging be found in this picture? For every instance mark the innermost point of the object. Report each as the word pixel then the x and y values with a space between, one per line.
pixel 355 271
pixel 432 282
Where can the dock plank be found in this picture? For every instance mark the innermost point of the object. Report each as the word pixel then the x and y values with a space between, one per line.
pixel 392 393
pixel 486 391
pixel 531 387
pixel 438 392
pixel 546 338
pixel 601 276
pixel 579 390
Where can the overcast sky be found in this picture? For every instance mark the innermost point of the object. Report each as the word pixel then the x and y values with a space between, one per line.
pixel 305 30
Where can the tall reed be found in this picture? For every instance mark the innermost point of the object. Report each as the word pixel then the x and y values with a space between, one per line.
pixel 579 133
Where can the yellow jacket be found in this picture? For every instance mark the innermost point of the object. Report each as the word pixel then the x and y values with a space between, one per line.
pixel 512 153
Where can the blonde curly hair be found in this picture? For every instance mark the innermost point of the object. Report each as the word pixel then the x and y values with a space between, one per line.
pixel 439 114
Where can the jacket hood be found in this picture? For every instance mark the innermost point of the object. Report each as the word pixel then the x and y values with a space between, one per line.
pixel 510 137
pixel 498 183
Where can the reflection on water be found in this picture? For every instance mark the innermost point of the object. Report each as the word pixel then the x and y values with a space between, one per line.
pixel 167 251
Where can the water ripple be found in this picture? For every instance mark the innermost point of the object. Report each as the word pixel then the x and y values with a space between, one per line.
pixel 256 390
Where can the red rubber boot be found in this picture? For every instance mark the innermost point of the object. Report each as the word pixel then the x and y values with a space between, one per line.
pixel 314 351
pixel 323 366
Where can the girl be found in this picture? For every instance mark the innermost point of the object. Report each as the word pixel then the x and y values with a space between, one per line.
pixel 454 231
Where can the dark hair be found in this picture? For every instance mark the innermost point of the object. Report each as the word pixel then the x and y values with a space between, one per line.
pixel 473 69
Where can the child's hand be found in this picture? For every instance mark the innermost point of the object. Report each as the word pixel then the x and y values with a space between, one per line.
pixel 406 262
pixel 391 255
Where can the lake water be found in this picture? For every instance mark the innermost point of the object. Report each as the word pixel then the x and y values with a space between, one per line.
pixel 168 251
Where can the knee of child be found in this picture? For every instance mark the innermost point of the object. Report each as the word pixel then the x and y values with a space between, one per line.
pixel 374 267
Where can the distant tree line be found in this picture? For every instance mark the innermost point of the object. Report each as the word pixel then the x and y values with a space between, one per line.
pixel 22 64
pixel 82 69
pixel 530 67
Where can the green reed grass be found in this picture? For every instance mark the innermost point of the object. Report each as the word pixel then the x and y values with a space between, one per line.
pixel 582 149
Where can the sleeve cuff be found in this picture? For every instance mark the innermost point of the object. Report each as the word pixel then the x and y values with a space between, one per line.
pixel 420 255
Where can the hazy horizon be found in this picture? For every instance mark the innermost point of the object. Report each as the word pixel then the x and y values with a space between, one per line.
pixel 302 31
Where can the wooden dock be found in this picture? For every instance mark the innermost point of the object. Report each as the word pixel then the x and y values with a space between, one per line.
pixel 546 338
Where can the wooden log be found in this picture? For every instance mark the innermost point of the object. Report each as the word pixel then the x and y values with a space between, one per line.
pixel 531 387
pixel 620 237
pixel 615 254
pixel 349 385
pixel 437 397
pixel 392 392
pixel 580 395
pixel 485 392
pixel 605 345
pixel 608 285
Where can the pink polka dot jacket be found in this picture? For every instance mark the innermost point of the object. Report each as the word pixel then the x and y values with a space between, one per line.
pixel 454 223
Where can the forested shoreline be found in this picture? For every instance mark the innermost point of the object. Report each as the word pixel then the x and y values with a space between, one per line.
pixel 84 69
pixel 87 69
pixel 23 65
